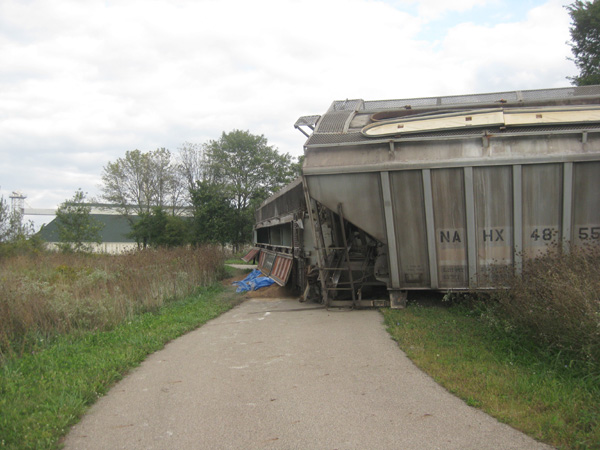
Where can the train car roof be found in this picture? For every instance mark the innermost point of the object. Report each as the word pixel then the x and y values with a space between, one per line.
pixel 356 121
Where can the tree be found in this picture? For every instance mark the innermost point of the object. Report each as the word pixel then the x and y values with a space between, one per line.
pixel 585 35
pixel 248 165
pixel 4 220
pixel 213 220
pixel 141 181
pixel 77 229
pixel 191 164
pixel 297 166
pixel 12 228
pixel 159 229
pixel 247 170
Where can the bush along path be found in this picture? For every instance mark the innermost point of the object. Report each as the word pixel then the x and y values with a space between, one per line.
pixel 44 392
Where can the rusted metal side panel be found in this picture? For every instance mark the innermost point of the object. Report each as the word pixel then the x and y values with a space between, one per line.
pixel 276 266
pixel 265 261
pixel 281 269
pixel 251 254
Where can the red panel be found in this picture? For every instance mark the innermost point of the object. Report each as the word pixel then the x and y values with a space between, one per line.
pixel 281 269
pixel 251 254
pixel 266 261
pixel 261 259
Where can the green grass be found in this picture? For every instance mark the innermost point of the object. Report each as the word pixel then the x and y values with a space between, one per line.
pixel 231 272
pixel 44 392
pixel 536 392
pixel 239 261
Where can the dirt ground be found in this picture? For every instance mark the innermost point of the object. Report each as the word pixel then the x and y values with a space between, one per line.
pixel 423 298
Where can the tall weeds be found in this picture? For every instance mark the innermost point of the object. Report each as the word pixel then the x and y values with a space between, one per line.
pixel 555 301
pixel 46 294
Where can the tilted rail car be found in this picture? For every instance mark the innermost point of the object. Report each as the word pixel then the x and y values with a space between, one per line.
pixel 433 193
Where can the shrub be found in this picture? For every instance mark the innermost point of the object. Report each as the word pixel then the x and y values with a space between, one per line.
pixel 556 302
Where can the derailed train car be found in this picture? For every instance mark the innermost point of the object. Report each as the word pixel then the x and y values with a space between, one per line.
pixel 280 238
pixel 433 193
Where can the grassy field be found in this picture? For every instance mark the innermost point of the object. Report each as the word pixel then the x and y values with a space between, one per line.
pixel 71 325
pixel 528 354
pixel 44 392
pixel 535 391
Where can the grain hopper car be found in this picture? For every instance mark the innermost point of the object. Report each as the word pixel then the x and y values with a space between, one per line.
pixel 433 193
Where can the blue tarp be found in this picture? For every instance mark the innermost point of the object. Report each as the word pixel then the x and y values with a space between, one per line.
pixel 253 281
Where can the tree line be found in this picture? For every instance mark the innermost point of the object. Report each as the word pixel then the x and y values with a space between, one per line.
pixel 207 193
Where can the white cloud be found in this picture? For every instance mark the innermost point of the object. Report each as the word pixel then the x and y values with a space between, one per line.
pixel 433 9
pixel 513 55
pixel 81 82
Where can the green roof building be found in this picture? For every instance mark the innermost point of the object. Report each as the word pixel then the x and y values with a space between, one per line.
pixel 113 234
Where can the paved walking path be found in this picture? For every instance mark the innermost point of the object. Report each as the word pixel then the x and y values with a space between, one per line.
pixel 278 374
pixel 243 266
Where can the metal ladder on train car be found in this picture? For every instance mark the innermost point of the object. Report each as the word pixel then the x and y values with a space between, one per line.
pixel 334 263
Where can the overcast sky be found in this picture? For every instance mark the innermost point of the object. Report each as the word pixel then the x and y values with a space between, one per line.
pixel 83 81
